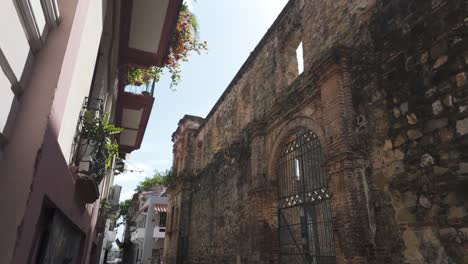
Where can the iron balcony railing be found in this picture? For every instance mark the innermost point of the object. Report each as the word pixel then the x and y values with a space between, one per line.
pixel 88 157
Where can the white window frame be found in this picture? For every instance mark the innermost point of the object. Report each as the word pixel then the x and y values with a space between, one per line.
pixel 36 42
pixel 51 13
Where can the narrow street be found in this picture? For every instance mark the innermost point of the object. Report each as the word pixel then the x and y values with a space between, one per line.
pixel 234 132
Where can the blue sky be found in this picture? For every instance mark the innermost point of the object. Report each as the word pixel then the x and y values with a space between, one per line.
pixel 232 30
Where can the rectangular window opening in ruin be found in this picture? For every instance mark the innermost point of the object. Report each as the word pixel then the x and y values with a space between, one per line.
pixel 300 58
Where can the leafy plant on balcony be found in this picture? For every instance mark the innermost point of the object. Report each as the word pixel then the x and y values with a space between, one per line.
pixel 92 127
pixel 137 76
pixel 111 148
pixel 101 131
pixel 184 41
pixel 105 206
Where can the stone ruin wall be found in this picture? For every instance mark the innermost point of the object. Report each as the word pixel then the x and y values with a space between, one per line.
pixel 413 94
pixel 272 66
pixel 408 74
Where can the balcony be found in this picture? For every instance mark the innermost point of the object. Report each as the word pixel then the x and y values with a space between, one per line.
pixel 134 107
pixel 159 232
pixel 88 158
pixel 139 234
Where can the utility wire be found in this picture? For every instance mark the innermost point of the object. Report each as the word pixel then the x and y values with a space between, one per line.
pixel 132 171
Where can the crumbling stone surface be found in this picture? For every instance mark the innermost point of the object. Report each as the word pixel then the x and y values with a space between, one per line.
pixel 385 90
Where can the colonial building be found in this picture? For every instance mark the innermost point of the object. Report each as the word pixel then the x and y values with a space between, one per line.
pixel 148 228
pixel 360 158
pixel 63 64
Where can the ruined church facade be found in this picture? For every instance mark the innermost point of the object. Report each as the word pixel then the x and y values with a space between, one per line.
pixel 361 158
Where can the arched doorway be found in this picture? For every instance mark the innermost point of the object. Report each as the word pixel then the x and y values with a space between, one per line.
pixel 305 224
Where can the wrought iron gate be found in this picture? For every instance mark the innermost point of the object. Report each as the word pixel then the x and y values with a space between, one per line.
pixel 305 225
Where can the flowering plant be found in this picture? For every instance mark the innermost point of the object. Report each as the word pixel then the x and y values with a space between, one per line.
pixel 184 40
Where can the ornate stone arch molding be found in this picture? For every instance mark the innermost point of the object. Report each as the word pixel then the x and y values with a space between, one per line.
pixel 287 129
pixel 350 213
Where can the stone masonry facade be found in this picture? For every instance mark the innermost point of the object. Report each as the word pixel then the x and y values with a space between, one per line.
pixel 385 90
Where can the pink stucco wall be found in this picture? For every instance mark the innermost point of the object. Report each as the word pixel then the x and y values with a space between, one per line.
pixel 33 166
pixel 54 182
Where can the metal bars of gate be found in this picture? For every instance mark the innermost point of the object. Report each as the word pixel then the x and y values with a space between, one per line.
pixel 305 224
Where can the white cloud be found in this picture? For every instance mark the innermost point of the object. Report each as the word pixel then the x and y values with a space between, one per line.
pixel 163 163
pixel 126 195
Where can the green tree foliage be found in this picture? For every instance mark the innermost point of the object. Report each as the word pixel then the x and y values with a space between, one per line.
pixel 123 206
pixel 164 178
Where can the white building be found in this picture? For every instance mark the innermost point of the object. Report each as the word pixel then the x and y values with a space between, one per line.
pixel 148 235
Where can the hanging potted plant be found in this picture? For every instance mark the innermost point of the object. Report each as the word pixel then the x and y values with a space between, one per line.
pixel 96 136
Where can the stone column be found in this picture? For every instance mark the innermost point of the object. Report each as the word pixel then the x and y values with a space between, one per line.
pixel 345 168
pixel 258 158
pixel 263 197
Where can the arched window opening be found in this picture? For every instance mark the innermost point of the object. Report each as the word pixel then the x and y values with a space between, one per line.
pixel 305 225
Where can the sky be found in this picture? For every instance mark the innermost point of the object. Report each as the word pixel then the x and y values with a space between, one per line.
pixel 232 30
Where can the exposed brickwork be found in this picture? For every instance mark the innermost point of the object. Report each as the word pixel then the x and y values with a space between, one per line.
pixel 390 111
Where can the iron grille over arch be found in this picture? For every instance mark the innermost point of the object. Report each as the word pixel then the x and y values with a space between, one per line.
pixel 305 225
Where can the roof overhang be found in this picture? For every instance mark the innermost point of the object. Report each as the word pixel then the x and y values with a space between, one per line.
pixel 146 28
pixel 133 111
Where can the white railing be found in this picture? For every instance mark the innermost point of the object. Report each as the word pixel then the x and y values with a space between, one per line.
pixel 139 233
pixel 159 232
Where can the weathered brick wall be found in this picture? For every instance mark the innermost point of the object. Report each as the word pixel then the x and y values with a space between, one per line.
pixel 391 112
pixel 410 85
pixel 221 214
pixel 258 82
pixel 327 23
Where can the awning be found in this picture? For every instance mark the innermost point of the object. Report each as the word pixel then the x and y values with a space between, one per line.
pixel 160 208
